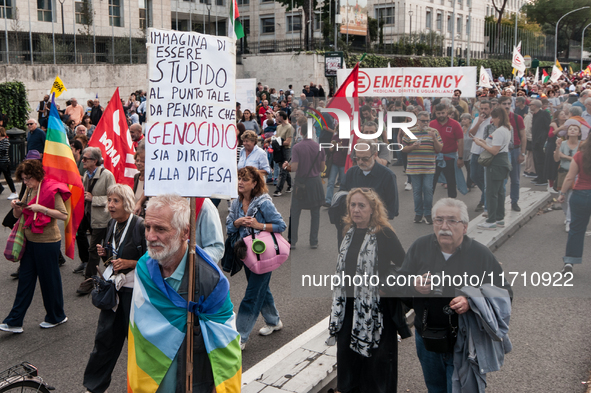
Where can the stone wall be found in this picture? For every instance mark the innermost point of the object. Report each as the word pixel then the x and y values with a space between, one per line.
pixel 87 81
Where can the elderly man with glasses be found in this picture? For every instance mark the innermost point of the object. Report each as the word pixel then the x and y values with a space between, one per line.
pixel 36 137
pixel 422 153
pixel 97 181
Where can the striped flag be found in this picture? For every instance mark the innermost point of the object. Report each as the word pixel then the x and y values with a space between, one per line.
pixel 545 76
pixel 59 165
pixel 235 26
pixel 158 326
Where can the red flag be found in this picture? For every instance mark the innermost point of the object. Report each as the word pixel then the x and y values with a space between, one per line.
pixel 340 101
pixel 111 135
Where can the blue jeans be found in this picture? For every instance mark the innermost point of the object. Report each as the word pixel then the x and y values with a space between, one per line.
pixel 437 367
pixel 477 174
pixel 580 210
pixel 515 174
pixel 422 192
pixel 257 299
pixel 276 171
pixel 332 179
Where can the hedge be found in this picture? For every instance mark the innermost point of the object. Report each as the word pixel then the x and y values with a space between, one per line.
pixel 13 102
pixel 497 67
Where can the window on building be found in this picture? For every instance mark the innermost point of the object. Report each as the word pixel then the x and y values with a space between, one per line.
pixel 243 2
pixel 459 27
pixel 439 21
pixel 316 21
pixel 115 13
pixel 428 19
pixel 294 23
pixel 145 8
pixel 450 25
pixel 44 10
pixel 386 14
pixel 219 2
pixel 245 25
pixel 267 25
pixel 83 11
pixel 267 1
pixel 6 9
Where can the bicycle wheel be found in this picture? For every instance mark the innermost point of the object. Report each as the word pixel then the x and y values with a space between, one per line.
pixel 24 387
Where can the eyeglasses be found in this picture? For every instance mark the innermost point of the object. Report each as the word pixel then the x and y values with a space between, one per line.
pixel 27 178
pixel 439 221
pixel 30 124
pixel 424 121
pixel 364 159
pixel 87 158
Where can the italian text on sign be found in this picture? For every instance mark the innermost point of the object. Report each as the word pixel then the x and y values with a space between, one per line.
pixel 421 82
pixel 191 129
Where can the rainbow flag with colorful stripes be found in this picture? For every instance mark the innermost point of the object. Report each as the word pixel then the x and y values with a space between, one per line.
pixel 158 326
pixel 59 164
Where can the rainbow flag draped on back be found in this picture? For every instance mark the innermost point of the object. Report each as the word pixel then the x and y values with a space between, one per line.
pixel 158 326
pixel 59 164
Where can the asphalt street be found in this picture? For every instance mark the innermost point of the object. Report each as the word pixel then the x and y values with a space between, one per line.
pixel 549 326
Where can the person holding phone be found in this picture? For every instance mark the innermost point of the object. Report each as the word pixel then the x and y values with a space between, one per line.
pixel 477 131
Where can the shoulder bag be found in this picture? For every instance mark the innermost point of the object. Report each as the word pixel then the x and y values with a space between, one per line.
pixel 265 251
pixel 439 340
pixel 15 245
pixel 486 158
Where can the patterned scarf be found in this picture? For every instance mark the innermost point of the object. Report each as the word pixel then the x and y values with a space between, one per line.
pixel 367 318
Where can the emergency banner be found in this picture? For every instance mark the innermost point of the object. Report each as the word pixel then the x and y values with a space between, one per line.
pixel 191 128
pixel 419 81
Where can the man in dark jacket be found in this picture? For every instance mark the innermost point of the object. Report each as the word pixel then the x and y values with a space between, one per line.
pixel 540 127
pixel 440 262
pixel 36 137
pixel 96 112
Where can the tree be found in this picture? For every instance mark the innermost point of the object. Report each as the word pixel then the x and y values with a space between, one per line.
pixel 548 12
pixel 308 6
pixel 502 4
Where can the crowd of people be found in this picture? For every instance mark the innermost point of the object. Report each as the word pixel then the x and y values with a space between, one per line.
pixel 460 144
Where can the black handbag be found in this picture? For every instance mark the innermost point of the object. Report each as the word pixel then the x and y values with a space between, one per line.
pixel 439 340
pixel 230 263
pixel 104 294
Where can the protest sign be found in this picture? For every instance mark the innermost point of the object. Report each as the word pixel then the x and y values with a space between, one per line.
pixel 191 129
pixel 422 82
pixel 246 94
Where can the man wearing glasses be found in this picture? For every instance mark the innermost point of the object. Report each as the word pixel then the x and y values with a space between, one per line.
pixel 421 165
pixel 36 137
pixel 97 181
pixel 449 252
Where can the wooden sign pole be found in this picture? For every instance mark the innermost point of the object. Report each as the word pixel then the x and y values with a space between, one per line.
pixel 191 297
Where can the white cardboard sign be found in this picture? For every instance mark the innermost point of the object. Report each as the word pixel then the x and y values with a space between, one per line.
pixel 191 129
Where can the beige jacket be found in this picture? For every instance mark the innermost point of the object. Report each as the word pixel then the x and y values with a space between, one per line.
pixel 99 217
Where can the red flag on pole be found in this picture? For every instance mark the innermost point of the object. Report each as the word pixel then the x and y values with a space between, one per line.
pixel 111 135
pixel 341 101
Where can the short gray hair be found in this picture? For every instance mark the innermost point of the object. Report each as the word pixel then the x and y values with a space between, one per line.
pixel 372 143
pixel 95 154
pixel 588 101
pixel 453 203
pixel 424 114
pixel 575 110
pixel 181 210
pixel 466 116
pixel 537 103
pixel 124 192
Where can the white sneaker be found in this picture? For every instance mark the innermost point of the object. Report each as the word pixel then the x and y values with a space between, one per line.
pixel 407 187
pixel 488 226
pixel 242 346
pixel 47 325
pixel 11 329
pixel 268 329
pixel 12 196
pixel 567 227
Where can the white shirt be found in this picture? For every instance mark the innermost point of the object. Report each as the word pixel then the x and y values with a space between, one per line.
pixel 479 134
pixel 500 137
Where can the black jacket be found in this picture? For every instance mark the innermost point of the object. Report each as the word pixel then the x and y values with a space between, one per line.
pixel 540 127
pixel 471 258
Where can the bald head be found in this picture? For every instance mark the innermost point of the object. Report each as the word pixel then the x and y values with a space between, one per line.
pixel 135 131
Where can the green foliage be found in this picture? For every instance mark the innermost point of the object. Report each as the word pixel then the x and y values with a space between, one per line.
pixel 497 67
pixel 13 102
pixel 63 51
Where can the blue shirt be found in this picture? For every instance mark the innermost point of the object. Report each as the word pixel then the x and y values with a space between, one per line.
pixel 36 140
pixel 175 279
pixel 257 158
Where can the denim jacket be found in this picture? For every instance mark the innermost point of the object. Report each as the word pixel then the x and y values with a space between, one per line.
pixel 262 208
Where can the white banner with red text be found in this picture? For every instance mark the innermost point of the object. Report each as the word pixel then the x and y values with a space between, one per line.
pixel 414 82
pixel 191 128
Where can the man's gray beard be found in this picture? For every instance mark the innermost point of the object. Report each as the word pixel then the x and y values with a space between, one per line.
pixel 166 253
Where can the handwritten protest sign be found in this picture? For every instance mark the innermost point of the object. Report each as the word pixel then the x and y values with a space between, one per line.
pixel 246 94
pixel 191 129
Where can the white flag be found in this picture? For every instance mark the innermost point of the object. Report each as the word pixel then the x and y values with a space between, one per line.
pixel 556 74
pixel 518 62
pixel 519 47
pixel 537 77
pixel 484 78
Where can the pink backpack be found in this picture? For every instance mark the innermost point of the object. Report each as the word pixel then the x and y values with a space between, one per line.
pixel 276 252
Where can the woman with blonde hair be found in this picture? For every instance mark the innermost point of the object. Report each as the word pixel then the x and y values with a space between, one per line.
pixel 364 321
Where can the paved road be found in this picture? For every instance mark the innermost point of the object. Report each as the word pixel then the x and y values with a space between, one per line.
pixel 549 329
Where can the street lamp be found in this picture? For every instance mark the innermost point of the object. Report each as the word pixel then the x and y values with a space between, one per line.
pixel 410 13
pixel 208 17
pixel 63 29
pixel 583 44
pixel 556 32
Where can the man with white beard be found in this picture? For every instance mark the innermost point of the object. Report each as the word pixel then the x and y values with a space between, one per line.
pixel 159 305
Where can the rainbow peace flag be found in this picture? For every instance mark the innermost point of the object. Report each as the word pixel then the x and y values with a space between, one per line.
pixel 158 326
pixel 59 165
